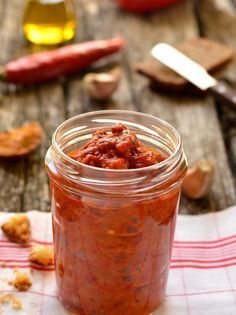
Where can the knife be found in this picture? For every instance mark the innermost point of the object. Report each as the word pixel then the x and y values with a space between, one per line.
pixel 193 72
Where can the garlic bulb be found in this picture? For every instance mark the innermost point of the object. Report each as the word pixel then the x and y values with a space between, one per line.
pixel 101 86
pixel 199 179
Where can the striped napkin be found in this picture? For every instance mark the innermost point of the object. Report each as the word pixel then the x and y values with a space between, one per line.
pixel 202 278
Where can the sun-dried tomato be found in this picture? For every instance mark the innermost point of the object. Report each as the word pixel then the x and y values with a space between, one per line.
pixel 18 142
pixel 116 148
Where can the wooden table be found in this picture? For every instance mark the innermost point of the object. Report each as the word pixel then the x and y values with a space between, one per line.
pixel 208 131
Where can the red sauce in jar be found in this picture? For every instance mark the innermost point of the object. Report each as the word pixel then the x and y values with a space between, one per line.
pixel 116 148
pixel 112 254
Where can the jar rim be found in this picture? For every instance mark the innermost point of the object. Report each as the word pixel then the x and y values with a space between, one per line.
pixel 156 166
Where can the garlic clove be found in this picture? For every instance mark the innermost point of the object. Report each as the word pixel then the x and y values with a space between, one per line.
pixel 198 181
pixel 101 86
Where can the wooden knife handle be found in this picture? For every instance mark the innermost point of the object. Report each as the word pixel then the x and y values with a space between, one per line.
pixel 224 93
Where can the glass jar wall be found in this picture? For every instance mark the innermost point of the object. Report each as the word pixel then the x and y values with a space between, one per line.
pixel 114 229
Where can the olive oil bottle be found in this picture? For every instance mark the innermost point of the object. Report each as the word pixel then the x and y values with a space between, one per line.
pixel 49 22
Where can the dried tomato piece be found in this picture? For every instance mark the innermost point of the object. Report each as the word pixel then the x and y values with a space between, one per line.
pixel 115 147
pixel 19 142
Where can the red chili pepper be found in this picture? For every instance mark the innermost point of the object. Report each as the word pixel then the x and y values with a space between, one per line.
pixel 48 65
pixel 145 5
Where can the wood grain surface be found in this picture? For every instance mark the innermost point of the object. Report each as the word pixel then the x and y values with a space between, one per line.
pixel 207 130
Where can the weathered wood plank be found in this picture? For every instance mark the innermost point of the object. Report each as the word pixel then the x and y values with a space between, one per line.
pixel 222 27
pixel 95 12
pixel 12 177
pixel 24 184
pixel 196 119
pixel 48 107
pixel 74 95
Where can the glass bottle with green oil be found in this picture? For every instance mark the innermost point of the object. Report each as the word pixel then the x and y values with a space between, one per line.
pixel 49 22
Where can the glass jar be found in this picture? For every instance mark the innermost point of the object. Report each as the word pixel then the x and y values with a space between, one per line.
pixel 49 22
pixel 114 229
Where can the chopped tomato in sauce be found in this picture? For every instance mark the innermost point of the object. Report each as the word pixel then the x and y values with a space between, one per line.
pixel 116 148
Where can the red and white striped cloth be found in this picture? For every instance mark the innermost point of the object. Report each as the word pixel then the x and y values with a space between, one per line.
pixel 202 278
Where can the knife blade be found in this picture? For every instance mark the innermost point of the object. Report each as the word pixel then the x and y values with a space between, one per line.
pixel 193 72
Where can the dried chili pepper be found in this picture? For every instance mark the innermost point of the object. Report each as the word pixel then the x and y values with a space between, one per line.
pixel 145 5
pixel 48 65
pixel 19 142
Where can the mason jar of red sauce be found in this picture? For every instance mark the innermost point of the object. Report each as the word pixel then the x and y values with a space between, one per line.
pixel 114 228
